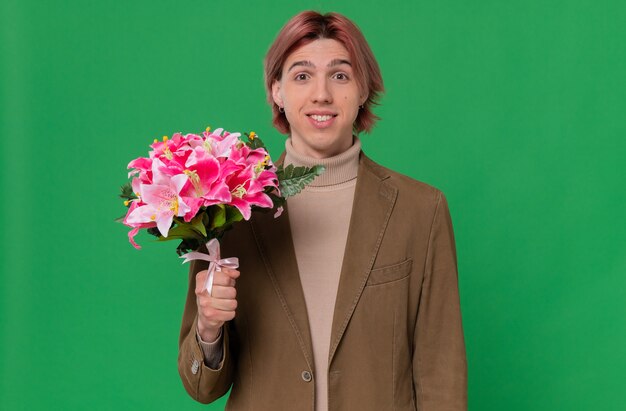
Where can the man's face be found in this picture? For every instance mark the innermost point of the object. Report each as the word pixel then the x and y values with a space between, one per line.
pixel 320 96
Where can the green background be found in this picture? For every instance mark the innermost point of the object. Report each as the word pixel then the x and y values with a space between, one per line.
pixel 516 110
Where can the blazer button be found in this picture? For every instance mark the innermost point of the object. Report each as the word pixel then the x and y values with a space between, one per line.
pixel 195 366
pixel 306 376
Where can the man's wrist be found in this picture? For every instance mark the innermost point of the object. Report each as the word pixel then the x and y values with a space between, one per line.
pixel 208 334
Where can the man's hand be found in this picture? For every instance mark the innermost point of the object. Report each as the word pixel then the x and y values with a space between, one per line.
pixel 215 310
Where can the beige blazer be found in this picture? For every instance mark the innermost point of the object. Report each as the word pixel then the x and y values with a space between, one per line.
pixel 397 339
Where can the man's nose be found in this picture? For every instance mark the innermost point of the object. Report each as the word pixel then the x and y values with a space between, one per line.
pixel 322 93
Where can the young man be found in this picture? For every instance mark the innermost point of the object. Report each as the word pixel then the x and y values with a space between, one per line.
pixel 349 300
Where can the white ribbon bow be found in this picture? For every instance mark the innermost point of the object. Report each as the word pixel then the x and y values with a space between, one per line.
pixel 213 246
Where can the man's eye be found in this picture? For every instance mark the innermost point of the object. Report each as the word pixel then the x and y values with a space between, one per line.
pixel 341 76
pixel 301 76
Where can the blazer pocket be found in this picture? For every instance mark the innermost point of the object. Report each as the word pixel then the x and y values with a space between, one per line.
pixel 390 273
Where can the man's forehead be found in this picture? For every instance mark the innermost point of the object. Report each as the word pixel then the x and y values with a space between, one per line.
pixel 319 50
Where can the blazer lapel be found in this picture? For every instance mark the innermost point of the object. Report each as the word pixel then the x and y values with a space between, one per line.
pixel 374 199
pixel 273 237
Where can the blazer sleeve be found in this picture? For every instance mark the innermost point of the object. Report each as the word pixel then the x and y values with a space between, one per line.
pixel 439 361
pixel 203 384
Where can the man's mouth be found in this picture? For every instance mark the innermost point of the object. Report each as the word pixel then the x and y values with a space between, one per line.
pixel 321 121
pixel 321 118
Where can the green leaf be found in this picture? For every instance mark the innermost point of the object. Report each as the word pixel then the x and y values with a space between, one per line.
pixel 183 230
pixel 198 223
pixel 127 192
pixel 171 237
pixel 218 216
pixel 233 215
pixel 293 179
pixel 255 143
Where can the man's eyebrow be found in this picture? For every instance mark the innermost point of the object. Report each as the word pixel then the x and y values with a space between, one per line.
pixel 304 63
pixel 337 62
pixel 307 63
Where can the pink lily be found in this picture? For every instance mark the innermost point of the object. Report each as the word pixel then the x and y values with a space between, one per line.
pixel 174 151
pixel 214 145
pixel 246 192
pixel 161 199
pixel 204 187
pixel 136 226
pixel 142 167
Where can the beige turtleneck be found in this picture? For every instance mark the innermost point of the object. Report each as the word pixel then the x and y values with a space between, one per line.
pixel 319 218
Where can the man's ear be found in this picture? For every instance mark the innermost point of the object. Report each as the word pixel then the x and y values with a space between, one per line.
pixel 364 98
pixel 276 93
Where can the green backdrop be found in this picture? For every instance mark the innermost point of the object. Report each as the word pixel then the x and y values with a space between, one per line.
pixel 516 110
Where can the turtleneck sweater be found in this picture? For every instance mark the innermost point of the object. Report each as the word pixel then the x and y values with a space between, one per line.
pixel 319 218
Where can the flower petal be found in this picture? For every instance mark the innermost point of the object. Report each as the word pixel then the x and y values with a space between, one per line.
pixel 164 222
pixel 131 237
pixel 178 182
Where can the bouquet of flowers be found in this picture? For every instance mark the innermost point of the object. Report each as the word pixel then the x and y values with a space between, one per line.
pixel 194 187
